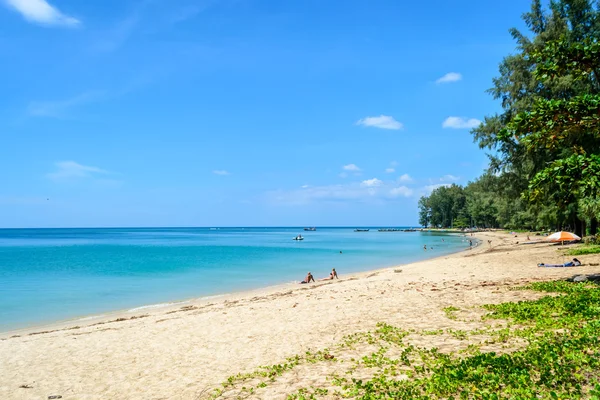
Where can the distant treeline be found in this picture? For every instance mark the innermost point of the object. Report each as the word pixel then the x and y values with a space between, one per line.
pixel 484 203
pixel 544 147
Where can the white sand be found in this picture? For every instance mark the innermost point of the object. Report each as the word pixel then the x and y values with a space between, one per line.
pixel 184 350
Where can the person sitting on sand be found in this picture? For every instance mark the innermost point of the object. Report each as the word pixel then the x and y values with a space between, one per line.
pixel 332 275
pixel 308 278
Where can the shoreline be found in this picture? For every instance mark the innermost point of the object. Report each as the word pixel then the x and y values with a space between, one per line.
pixel 204 300
pixel 186 351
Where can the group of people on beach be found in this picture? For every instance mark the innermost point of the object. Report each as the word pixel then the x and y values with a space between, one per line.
pixel 310 278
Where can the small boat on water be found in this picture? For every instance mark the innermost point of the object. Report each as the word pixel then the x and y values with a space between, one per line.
pixel 361 230
pixel 390 230
pixel 310 229
pixel 299 237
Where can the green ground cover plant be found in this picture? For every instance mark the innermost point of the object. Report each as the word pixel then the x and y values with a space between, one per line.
pixel 550 350
pixel 584 250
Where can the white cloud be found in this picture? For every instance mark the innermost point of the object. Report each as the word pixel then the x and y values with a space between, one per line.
pixel 370 190
pixel 221 172
pixel 449 178
pixel 383 122
pixel 41 12
pixel 351 167
pixel 371 183
pixel 460 123
pixel 305 186
pixel 401 191
pixel 73 170
pixel 405 178
pixel 430 188
pixel 449 77
pixel 390 170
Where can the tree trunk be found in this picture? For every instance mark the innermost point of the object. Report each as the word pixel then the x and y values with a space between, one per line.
pixel 579 227
pixel 593 226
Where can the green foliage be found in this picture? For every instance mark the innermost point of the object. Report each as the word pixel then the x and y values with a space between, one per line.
pixel 484 203
pixel 592 239
pixel 559 356
pixel 546 141
pixel 444 207
pixel 450 312
pixel 583 250
pixel 567 180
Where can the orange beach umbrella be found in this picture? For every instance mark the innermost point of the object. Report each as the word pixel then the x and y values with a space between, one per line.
pixel 563 237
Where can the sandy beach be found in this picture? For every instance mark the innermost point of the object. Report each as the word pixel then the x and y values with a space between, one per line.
pixel 185 351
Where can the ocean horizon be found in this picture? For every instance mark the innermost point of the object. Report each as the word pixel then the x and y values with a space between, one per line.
pixel 55 274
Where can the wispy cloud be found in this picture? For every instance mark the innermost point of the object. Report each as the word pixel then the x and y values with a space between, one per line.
pixel 61 108
pixel 72 170
pixel 460 123
pixel 391 169
pixel 370 190
pixel 189 11
pixel 449 77
pixel 64 108
pixel 449 178
pixel 405 178
pixel 351 167
pixel 221 172
pixel 382 122
pixel 41 12
pixel 115 37
pixel 401 191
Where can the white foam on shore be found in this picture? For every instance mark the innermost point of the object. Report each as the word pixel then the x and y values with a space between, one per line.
pixel 92 317
pixel 160 305
pixel 216 296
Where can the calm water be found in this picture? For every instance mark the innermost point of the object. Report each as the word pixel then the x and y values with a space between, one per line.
pixel 54 274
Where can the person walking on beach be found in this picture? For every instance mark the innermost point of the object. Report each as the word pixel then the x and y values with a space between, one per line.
pixel 308 278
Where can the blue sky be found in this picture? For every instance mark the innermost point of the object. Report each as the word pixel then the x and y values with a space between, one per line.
pixel 241 112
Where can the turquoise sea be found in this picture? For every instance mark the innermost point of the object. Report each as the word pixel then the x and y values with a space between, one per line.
pixel 47 275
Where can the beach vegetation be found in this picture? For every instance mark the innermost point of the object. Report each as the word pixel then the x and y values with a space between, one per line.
pixel 550 350
pixel 584 250
pixel 450 312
